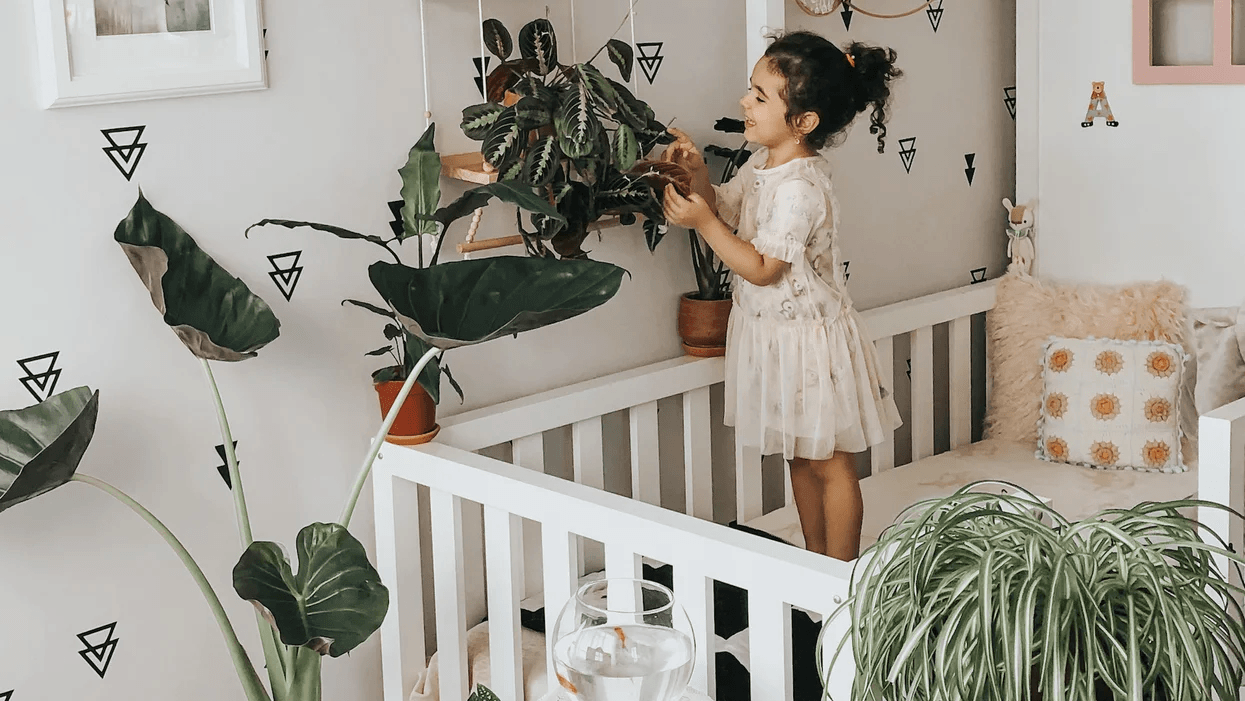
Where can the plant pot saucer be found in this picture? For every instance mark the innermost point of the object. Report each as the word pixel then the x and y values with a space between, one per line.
pixel 704 351
pixel 414 440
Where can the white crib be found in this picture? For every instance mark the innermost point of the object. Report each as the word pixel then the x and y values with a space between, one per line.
pixel 439 491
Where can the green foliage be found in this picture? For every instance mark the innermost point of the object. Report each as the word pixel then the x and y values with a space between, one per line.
pixel 331 605
pixel 571 124
pixel 978 595
pixel 472 301
pixel 42 445
pixel 214 314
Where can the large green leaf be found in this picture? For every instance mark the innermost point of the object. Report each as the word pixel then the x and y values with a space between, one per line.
pixel 41 445
pixel 214 313
pixel 466 302
pixel 516 194
pixel 334 602
pixel 538 42
pixel 421 186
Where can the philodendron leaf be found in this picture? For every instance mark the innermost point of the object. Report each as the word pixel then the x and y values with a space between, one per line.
pixel 331 605
pixel 41 445
pixel 497 39
pixel 214 313
pixel 327 228
pixel 466 302
pixel 623 56
pixel 421 186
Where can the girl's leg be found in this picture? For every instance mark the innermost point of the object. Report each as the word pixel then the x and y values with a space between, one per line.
pixel 808 487
pixel 844 507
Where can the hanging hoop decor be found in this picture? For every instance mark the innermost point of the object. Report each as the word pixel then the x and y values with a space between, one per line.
pixel 821 8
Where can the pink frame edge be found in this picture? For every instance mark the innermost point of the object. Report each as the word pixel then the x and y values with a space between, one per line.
pixel 1222 71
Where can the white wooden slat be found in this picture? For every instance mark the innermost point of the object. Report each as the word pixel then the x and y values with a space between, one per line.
pixel 622 562
pixel 929 310
pixel 697 458
pixel 451 592
pixel 503 550
pixel 645 456
pixel 587 449
pixel 882 455
pixel 561 563
pixel 480 428
pixel 392 646
pixel 529 453
pixel 747 481
pixel 1221 477
pixel 694 592
pixel 769 645
pixel 960 357
pixel 922 349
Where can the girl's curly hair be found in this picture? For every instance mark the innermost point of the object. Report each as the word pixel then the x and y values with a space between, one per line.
pixel 821 78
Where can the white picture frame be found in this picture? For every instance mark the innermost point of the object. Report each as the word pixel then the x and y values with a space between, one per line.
pixel 85 62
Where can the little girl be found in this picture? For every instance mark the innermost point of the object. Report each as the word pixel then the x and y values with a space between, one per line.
pixel 802 377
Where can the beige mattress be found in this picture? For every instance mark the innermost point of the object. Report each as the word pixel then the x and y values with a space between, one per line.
pixel 1075 492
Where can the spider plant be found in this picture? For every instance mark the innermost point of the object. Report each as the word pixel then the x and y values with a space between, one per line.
pixel 996 596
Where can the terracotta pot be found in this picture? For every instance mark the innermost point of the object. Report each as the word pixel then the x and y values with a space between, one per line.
pixel 702 325
pixel 417 419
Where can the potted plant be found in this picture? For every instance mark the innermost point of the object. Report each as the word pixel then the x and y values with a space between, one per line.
pixel 219 319
pixel 996 596
pixel 705 311
pixel 571 134
pixel 422 217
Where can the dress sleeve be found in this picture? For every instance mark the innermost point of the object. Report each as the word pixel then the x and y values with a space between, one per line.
pixel 787 224
pixel 730 198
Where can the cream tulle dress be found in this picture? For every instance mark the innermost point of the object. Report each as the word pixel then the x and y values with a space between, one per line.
pixel 802 375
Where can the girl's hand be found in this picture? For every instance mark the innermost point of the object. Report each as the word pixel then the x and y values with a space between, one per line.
pixel 688 212
pixel 684 152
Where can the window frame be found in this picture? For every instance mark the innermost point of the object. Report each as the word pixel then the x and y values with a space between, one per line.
pixel 1221 71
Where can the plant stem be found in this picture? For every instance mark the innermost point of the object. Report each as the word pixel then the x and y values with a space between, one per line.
pixel 379 440
pixel 276 655
pixel 251 683
pixel 235 478
pixel 305 680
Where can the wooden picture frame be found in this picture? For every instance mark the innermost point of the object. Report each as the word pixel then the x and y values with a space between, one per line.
pixel 108 51
pixel 1221 70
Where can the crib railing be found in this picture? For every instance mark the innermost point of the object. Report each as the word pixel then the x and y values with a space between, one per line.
pixel 462 483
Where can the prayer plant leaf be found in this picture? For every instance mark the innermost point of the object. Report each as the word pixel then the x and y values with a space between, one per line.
pixel 213 313
pixel 478 120
pixel 502 142
pixel 42 445
pixel 497 38
pixel 461 303
pixel 622 55
pixel 543 162
pixel 537 42
pixel 577 125
pixel 331 605
pixel 421 186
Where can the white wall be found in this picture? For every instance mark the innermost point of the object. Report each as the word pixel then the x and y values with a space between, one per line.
pixel 1157 196
pixel 324 144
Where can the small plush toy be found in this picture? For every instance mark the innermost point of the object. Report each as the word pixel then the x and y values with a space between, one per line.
pixel 1019 236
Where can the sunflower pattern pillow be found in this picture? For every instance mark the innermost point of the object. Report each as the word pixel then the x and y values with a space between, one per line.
pixel 1111 404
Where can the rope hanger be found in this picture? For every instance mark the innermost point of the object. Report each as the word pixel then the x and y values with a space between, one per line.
pixel 817 8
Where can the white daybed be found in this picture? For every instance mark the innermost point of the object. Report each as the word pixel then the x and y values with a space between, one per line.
pixel 453 477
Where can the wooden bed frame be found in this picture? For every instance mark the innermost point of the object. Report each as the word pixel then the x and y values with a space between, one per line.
pixel 433 491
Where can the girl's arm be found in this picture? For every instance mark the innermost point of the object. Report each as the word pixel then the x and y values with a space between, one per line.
pixel 738 255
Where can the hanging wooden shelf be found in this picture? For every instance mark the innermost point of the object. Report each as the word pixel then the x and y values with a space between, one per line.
pixel 469 167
